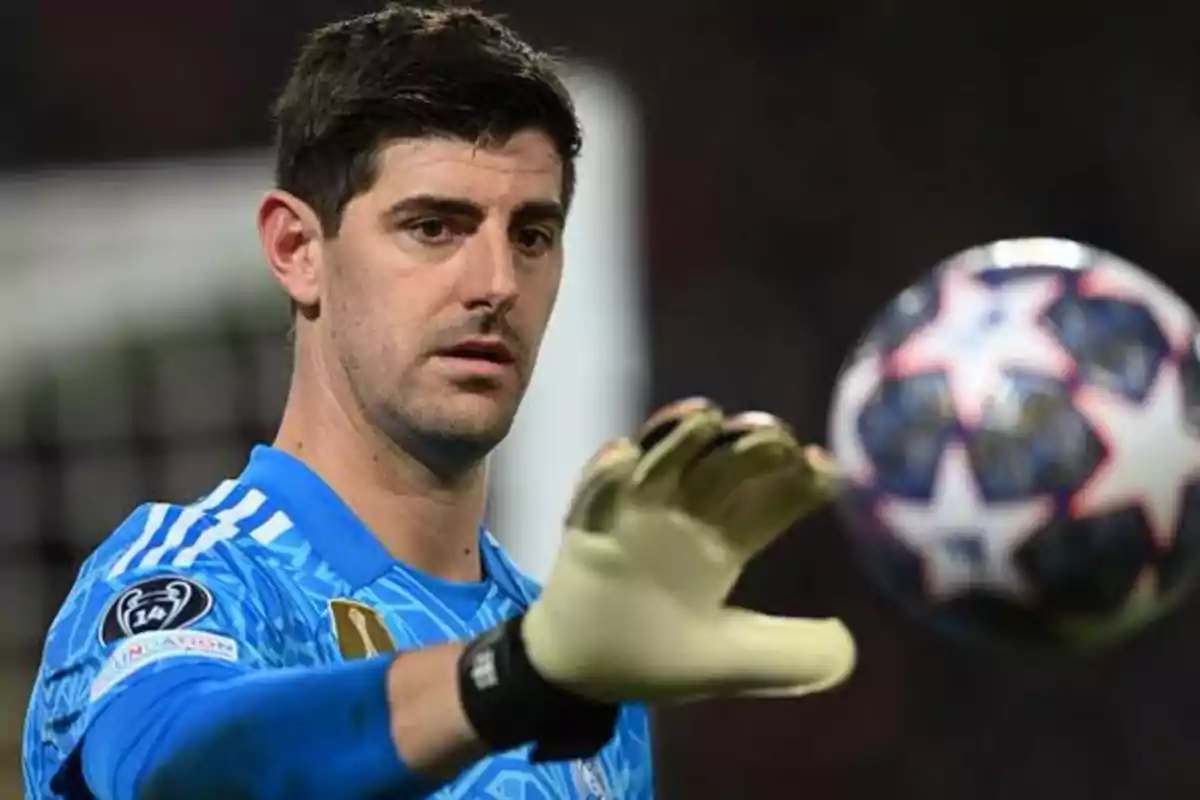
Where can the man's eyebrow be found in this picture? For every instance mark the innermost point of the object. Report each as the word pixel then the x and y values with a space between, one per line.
pixel 540 211
pixel 531 211
pixel 435 204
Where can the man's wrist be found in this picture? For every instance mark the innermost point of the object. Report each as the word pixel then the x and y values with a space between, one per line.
pixel 509 703
pixel 429 728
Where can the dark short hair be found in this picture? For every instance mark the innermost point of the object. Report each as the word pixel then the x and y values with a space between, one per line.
pixel 407 72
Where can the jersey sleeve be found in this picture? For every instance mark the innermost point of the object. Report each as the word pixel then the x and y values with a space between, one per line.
pixel 140 609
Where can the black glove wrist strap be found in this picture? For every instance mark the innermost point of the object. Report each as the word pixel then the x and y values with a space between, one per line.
pixel 509 704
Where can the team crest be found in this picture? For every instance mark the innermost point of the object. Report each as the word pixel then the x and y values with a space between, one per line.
pixel 164 603
pixel 360 629
pixel 589 780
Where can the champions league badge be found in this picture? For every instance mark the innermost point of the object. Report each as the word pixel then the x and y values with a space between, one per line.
pixel 163 603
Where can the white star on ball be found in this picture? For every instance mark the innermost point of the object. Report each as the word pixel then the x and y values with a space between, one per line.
pixel 1151 457
pixel 964 541
pixel 981 331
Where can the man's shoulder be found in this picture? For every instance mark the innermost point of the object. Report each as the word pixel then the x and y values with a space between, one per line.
pixel 164 568
pixel 211 545
pixel 208 534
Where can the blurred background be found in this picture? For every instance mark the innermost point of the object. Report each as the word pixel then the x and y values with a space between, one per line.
pixel 759 178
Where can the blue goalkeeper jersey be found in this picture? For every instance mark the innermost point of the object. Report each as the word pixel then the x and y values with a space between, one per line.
pixel 270 571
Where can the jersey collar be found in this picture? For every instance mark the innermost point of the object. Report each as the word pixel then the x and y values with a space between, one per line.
pixel 334 531
pixel 340 538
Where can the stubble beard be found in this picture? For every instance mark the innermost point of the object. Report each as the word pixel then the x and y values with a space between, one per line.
pixel 444 434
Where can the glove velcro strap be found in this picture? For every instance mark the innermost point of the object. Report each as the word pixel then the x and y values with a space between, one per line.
pixel 509 704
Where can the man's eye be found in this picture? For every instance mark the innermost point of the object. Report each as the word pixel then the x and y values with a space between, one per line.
pixel 534 239
pixel 430 230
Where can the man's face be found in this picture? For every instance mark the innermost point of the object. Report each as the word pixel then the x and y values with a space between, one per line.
pixel 439 286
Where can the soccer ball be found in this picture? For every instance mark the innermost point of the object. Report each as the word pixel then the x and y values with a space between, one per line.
pixel 1019 434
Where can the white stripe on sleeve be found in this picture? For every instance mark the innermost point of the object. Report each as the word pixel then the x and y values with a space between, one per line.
pixel 158 513
pixel 225 529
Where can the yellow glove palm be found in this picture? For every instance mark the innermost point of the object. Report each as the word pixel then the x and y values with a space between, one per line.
pixel 658 533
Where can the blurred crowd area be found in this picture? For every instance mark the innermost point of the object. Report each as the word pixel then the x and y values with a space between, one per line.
pixel 802 162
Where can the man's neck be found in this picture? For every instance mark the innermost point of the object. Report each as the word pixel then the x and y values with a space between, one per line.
pixel 423 520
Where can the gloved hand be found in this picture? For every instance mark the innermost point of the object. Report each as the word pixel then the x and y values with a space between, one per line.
pixel 635 609
pixel 659 531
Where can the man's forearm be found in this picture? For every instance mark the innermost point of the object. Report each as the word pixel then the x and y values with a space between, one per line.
pixel 399 726
pixel 311 732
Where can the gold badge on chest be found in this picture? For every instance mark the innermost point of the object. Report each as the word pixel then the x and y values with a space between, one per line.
pixel 360 629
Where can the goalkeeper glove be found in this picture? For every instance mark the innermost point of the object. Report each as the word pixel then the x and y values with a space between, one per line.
pixel 635 608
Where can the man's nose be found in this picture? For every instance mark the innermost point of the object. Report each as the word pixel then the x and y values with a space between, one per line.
pixel 492 271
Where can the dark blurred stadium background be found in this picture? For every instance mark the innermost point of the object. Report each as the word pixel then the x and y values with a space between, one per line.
pixel 796 164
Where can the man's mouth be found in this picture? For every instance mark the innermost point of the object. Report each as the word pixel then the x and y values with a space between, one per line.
pixel 482 349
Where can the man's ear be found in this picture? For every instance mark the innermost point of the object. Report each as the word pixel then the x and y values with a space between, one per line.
pixel 291 238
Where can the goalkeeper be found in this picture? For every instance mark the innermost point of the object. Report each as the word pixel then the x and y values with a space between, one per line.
pixel 334 622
